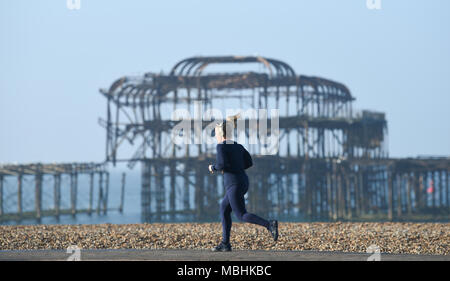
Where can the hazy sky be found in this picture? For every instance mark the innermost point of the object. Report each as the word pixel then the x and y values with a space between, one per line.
pixel 53 61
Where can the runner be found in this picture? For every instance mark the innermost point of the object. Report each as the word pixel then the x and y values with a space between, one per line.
pixel 232 159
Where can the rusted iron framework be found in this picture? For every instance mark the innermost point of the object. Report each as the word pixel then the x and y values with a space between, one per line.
pixel 57 181
pixel 332 162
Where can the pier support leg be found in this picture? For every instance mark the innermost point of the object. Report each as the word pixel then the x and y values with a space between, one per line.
pixel 91 192
pixel 409 182
pixel 122 193
pixel 105 197
pixel 447 189
pixel 399 195
pixel 390 193
pixel 100 191
pixel 146 191
pixel 38 195
pixel 57 194
pixel 19 195
pixel 329 196
pixel 73 193
pixel 1 195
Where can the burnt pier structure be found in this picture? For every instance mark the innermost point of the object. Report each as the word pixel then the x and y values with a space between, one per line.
pixel 37 190
pixel 332 161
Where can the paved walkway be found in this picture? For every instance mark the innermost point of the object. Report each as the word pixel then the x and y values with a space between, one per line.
pixel 204 255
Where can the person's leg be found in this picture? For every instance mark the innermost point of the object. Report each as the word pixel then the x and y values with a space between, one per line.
pixel 225 214
pixel 236 199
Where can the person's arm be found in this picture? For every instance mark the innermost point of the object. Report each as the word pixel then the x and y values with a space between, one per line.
pixel 247 159
pixel 220 159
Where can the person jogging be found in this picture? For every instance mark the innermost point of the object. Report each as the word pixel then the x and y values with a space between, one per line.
pixel 232 159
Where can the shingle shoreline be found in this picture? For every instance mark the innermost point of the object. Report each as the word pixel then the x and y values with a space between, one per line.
pixel 396 238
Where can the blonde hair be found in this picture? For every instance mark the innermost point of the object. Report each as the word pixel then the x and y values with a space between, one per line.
pixel 225 129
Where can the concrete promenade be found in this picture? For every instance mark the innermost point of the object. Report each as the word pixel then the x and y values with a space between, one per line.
pixel 205 255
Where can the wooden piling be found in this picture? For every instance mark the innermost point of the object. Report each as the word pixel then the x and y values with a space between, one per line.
pixel 356 194
pixel 447 189
pixel 416 186
pixel 146 191
pixel 335 193
pixel 420 193
pixel 122 193
pixel 375 190
pixel 266 206
pixel 433 193
pixel 365 194
pixel 329 196
pixel 399 186
pixel 38 195
pixel 340 196
pixel 383 178
pixel 198 193
pixel 308 192
pixel 441 189
pixel 360 191
pixel 105 197
pixel 172 192
pixel 1 195
pixel 289 190
pixel 100 192
pixel 57 194
pixel 186 195
pixel 73 193
pixel 409 182
pixel 300 196
pixel 312 199
pixel 390 193
pixel 19 194
pixel 425 193
pixel 91 192
pixel 156 172
pixel 347 199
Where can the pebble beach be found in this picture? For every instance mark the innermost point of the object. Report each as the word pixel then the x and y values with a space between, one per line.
pixel 398 238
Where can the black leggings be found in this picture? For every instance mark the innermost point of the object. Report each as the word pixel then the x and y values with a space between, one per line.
pixel 234 201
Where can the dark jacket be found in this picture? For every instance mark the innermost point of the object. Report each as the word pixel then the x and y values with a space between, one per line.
pixel 232 159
